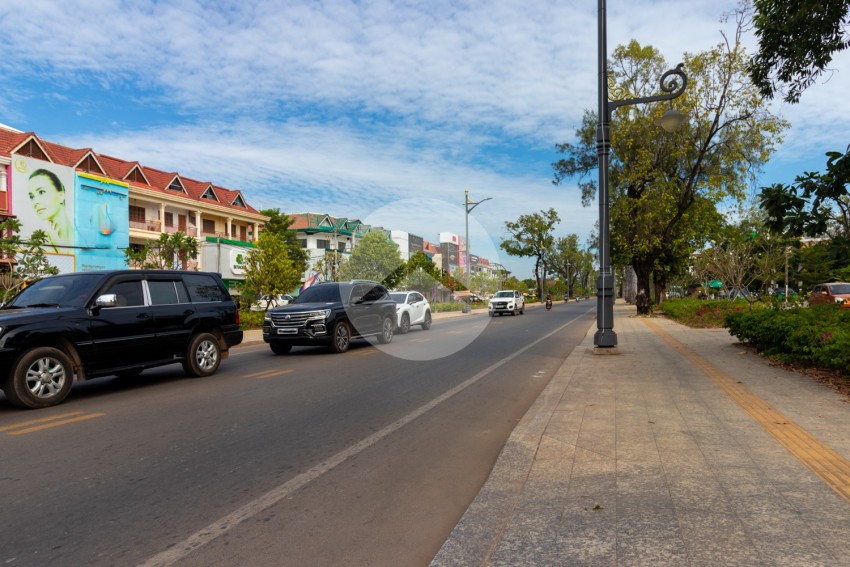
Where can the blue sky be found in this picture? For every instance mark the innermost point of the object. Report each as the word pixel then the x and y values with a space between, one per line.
pixel 380 110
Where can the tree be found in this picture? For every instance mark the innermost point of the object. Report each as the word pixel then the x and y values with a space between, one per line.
pixel 664 188
pixel 420 274
pixel 531 236
pixel 742 259
pixel 330 265
pixel 797 40
pixel 816 204
pixel 168 252
pixel 568 261
pixel 280 223
pixel 30 259
pixel 376 258
pixel 268 267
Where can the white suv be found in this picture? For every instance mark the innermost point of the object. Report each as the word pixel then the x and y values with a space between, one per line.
pixel 506 301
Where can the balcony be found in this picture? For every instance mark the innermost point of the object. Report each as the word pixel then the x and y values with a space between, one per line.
pixel 149 225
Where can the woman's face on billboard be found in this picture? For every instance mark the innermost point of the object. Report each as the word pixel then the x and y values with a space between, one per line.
pixel 47 200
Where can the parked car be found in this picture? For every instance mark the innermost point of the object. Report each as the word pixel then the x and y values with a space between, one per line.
pixel 835 292
pixel 332 314
pixel 266 302
pixel 411 309
pixel 506 301
pixel 84 325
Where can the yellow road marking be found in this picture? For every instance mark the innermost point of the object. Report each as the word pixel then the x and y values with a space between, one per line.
pixel 48 422
pixel 365 352
pixel 270 373
pixel 832 468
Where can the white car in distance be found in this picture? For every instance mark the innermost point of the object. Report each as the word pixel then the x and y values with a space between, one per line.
pixel 278 300
pixel 411 309
pixel 506 301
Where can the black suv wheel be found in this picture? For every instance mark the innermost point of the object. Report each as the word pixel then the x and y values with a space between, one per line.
pixel 341 337
pixel 41 377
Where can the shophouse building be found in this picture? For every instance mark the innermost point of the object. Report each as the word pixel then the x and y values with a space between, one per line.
pixel 94 207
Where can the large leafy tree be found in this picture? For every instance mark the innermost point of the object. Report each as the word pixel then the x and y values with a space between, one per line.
pixel 376 258
pixel 797 39
pixel 664 188
pixel 743 258
pixel 569 261
pixel 268 267
pixel 531 236
pixel 816 204
pixel 420 274
pixel 30 259
pixel 281 224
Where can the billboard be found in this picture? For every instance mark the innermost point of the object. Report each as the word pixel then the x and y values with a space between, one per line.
pixel 102 223
pixel 43 199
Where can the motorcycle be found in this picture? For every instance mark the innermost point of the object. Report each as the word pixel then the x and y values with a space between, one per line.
pixel 548 304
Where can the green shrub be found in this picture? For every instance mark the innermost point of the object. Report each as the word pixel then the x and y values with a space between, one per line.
pixel 251 319
pixel 811 336
pixel 701 313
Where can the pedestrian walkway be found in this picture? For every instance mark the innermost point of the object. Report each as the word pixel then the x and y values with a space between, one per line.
pixel 684 448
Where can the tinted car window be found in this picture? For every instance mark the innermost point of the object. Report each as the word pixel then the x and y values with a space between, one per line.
pixel 327 293
pixel 204 288
pixel 167 292
pixel 127 293
pixel 67 291
pixel 375 293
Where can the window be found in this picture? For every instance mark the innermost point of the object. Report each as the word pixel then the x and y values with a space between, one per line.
pixel 209 226
pixel 204 288
pixel 323 244
pixel 169 219
pixel 176 185
pixel 302 242
pixel 127 293
pixel 167 292
pixel 137 213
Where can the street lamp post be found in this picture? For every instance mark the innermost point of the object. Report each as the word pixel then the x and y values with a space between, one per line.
pixel 467 204
pixel 605 336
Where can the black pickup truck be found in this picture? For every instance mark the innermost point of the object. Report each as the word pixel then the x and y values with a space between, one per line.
pixel 331 314
pixel 90 324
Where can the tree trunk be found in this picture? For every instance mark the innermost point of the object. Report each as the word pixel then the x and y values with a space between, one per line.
pixel 629 285
pixel 643 271
pixel 660 288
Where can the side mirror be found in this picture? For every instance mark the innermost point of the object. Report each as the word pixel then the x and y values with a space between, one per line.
pixel 106 300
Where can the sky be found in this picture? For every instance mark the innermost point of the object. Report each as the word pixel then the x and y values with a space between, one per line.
pixel 385 111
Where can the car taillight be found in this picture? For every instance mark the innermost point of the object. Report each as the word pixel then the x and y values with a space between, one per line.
pixel 237 316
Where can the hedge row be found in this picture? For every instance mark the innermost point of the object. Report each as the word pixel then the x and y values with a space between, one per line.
pixel 814 336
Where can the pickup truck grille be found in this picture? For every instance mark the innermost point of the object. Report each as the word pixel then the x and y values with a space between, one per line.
pixel 295 319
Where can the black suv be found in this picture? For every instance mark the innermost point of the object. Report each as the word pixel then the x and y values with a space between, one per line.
pixel 92 324
pixel 331 314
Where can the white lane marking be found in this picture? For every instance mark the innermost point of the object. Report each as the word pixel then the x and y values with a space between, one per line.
pixel 205 535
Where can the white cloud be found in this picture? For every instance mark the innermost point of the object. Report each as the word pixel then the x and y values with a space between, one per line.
pixel 344 106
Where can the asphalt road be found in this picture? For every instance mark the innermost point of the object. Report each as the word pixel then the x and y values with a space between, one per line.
pixel 364 458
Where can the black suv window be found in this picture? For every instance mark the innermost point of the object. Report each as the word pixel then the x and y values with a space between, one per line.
pixel 66 291
pixel 167 292
pixel 127 293
pixel 204 288
pixel 375 293
pixel 322 293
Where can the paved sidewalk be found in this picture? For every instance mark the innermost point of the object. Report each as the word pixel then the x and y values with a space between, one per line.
pixel 682 449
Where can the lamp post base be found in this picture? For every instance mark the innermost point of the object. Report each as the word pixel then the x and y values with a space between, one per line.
pixel 605 338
